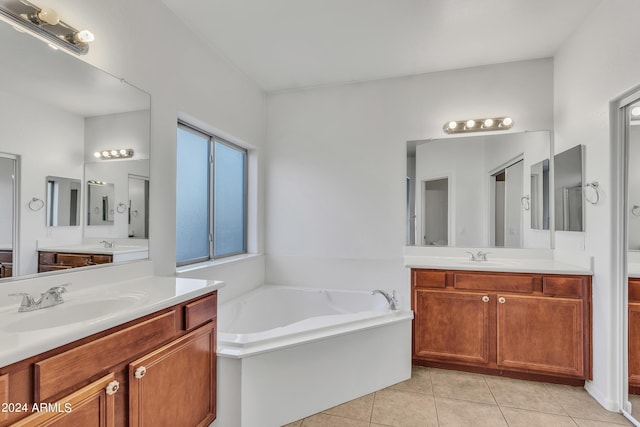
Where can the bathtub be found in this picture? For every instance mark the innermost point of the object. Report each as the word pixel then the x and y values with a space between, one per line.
pixel 288 352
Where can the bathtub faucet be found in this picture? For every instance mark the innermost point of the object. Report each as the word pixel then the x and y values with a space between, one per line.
pixel 391 299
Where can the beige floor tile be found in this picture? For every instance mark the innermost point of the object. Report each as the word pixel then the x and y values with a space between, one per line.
pixel 326 420
pixel 523 418
pixel 460 385
pixel 578 403
pixel 521 394
pixel 592 423
pixel 294 424
pixel 420 381
pixel 463 413
pixel 402 409
pixel 359 409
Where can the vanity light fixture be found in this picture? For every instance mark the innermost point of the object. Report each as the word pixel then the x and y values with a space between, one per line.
pixel 96 182
pixel 120 153
pixel 45 24
pixel 478 125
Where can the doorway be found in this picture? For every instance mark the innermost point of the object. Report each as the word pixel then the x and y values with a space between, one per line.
pixel 507 195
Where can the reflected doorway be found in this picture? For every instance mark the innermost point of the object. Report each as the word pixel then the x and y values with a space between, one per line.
pixel 507 216
pixel 435 212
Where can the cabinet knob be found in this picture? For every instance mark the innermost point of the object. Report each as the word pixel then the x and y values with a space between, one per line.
pixel 112 387
pixel 485 299
pixel 140 372
pixel 502 300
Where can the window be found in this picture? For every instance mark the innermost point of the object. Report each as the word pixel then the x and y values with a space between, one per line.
pixel 211 197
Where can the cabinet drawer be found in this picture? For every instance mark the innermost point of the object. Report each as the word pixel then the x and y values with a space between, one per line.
pixel 6 256
pixel 47 258
pixel 493 282
pixel 634 289
pixel 429 278
pixel 75 260
pixel 200 311
pixel 101 259
pixel 570 287
pixel 59 373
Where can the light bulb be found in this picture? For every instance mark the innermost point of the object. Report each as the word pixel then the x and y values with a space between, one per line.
pixel 488 123
pixel 114 152
pixel 48 16
pixel 635 111
pixel 452 125
pixel 83 37
pixel 471 123
pixel 105 153
pixel 96 154
pixel 123 152
pixel 507 121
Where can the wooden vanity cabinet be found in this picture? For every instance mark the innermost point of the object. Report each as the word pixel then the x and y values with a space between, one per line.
pixel 156 370
pixel 634 335
pixel 53 261
pixel 524 325
pixel 6 263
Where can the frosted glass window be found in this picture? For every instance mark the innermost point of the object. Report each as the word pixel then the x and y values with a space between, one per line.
pixel 192 197
pixel 211 206
pixel 229 200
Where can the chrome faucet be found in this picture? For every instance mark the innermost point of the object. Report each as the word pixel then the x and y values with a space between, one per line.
pixel 391 299
pixel 108 244
pixel 480 256
pixel 49 298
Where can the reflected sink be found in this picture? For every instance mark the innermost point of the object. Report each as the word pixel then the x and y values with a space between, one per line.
pixel 87 311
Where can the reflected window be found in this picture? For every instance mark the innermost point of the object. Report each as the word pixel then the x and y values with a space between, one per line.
pixel 211 197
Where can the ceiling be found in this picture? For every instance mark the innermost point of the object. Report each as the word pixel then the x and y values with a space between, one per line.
pixel 289 44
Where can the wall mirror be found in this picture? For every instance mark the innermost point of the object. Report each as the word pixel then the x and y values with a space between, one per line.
pixel 63 201
pixel 100 205
pixel 475 191
pixel 57 111
pixel 539 201
pixel 568 194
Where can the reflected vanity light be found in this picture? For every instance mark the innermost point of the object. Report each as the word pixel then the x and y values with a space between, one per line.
pixel 478 125
pixel 45 24
pixel 119 153
pixel 96 182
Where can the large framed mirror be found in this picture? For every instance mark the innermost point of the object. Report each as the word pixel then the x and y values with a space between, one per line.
pixel 476 191
pixel 57 112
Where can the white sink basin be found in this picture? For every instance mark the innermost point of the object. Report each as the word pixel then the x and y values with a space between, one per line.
pixel 78 311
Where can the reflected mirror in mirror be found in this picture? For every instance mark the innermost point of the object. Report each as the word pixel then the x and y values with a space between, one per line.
pixel 539 202
pixel 57 112
pixel 63 201
pixel 568 194
pixel 138 207
pixel 8 185
pixel 101 209
pixel 633 183
pixel 468 191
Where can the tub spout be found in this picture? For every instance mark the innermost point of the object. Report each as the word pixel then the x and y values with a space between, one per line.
pixel 391 299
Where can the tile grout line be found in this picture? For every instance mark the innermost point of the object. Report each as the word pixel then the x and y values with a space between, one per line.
pixel 433 393
pixel 484 378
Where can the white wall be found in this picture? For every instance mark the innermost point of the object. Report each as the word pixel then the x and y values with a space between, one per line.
pixel 49 142
pixel 143 43
pixel 599 62
pixel 337 165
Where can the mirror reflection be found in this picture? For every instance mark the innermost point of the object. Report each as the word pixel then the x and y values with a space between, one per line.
pixel 101 210
pixel 63 201
pixel 57 111
pixel 539 203
pixel 474 191
pixel 568 194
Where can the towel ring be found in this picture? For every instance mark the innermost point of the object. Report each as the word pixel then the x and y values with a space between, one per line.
pixel 35 204
pixel 635 210
pixel 595 192
pixel 525 202
pixel 122 208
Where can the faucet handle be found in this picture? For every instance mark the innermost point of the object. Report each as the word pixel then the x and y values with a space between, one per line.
pixel 472 256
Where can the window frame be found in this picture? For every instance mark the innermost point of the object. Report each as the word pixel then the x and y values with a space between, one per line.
pixel 212 139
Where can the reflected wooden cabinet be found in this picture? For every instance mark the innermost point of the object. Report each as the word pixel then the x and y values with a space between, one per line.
pixel 6 263
pixel 153 371
pixel 634 335
pixel 53 261
pixel 524 325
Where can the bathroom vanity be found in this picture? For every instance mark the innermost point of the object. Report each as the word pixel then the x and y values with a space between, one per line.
pixel 534 325
pixel 154 364
pixel 634 338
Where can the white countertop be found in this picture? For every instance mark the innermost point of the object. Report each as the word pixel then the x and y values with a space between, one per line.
pixel 144 295
pixel 95 249
pixel 500 260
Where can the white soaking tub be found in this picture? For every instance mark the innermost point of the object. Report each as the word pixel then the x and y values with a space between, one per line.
pixel 288 352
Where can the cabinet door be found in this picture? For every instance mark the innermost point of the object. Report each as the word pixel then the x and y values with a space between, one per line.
pixel 175 385
pixel 634 346
pixel 90 406
pixel 451 326
pixel 541 334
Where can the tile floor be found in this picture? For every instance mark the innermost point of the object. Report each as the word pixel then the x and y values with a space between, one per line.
pixel 435 397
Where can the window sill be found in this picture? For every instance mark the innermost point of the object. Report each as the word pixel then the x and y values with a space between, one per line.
pixel 214 263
